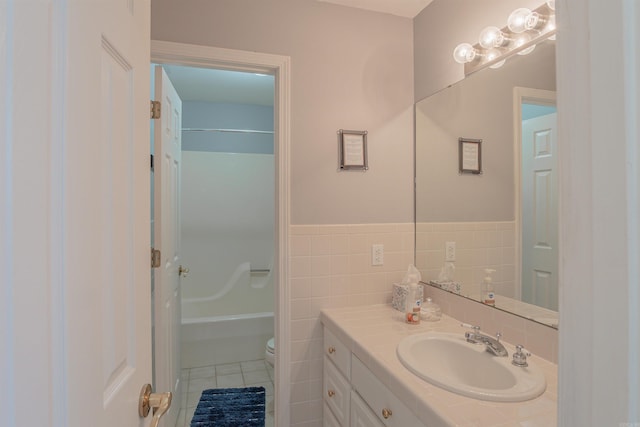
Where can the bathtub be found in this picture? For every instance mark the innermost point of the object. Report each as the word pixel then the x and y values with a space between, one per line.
pixel 224 339
pixel 231 322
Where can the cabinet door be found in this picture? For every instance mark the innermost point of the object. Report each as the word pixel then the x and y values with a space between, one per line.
pixel 336 392
pixel 387 407
pixel 361 414
pixel 329 420
pixel 337 352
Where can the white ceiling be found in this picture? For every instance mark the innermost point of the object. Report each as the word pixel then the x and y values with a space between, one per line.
pixel 209 85
pixel 405 8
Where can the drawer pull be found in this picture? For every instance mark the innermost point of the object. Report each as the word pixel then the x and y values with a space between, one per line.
pixel 386 413
pixel 331 393
pixel 331 350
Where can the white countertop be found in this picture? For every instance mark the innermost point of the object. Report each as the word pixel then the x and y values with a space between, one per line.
pixel 372 333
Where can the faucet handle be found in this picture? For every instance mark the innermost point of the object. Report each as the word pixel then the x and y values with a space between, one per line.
pixel 520 356
pixel 471 336
pixel 476 329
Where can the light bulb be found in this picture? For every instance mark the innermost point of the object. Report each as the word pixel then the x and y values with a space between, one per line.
pixel 491 55
pixel 517 20
pixel 464 53
pixel 491 37
pixel 534 21
pixel 551 25
pixel 551 4
pixel 521 40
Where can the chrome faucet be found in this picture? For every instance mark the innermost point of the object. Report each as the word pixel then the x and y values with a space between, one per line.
pixel 493 345
pixel 520 356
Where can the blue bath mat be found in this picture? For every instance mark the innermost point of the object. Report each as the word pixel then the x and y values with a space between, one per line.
pixel 230 407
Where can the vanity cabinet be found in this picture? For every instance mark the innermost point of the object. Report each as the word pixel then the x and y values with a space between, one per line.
pixel 354 396
pixel 388 408
pixel 361 414
pixel 328 417
pixel 336 392
pixel 336 385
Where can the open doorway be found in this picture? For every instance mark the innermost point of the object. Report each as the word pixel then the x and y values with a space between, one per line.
pixel 225 218
pixel 279 67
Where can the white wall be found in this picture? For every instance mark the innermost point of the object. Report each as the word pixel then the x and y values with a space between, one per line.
pixel 351 69
pixel 444 24
pixel 599 119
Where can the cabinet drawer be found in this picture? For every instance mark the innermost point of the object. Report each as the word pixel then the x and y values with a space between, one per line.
pixel 329 420
pixel 337 352
pixel 387 407
pixel 361 414
pixel 336 391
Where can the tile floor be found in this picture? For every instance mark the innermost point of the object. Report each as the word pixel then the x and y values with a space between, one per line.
pixel 253 373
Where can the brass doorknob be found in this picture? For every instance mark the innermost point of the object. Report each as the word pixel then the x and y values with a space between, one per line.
pixel 160 402
pixel 183 271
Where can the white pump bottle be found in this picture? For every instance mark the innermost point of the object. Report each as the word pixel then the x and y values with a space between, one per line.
pixel 488 296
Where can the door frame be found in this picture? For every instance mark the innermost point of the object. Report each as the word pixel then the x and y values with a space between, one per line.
pixel 279 66
pixel 532 96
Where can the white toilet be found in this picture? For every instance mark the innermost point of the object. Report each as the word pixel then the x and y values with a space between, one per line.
pixel 270 352
pixel 270 357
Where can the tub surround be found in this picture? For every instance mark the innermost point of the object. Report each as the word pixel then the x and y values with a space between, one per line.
pixel 372 334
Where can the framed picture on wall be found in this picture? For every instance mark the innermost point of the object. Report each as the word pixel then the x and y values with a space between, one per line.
pixel 353 149
pixel 470 156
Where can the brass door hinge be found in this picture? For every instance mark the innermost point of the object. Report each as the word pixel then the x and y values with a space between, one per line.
pixel 156 109
pixel 155 258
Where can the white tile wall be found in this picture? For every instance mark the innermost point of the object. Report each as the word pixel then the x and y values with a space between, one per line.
pixel 479 245
pixel 331 267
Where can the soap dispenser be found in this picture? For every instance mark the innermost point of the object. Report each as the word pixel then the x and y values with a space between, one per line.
pixel 412 305
pixel 487 295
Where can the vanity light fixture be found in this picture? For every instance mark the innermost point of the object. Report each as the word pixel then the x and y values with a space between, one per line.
pixel 525 28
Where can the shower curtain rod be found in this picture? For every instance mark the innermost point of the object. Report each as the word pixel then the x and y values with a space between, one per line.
pixel 270 132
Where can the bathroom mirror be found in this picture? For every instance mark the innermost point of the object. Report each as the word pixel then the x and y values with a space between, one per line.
pixel 506 214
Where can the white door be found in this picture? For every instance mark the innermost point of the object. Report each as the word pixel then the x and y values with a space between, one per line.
pixel 167 314
pixel 107 212
pixel 539 212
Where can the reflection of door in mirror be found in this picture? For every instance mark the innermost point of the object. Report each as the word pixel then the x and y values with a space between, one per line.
pixel 538 201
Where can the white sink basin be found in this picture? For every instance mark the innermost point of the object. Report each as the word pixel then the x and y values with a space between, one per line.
pixel 449 361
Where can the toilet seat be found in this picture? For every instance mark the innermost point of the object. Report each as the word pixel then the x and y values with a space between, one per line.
pixel 270 352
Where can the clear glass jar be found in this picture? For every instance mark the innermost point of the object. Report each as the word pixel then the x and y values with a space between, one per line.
pixel 430 311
